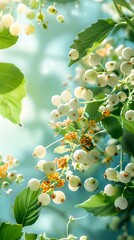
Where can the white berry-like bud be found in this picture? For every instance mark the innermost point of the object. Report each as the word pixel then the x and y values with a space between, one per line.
pixel 49 168
pixel 109 190
pixel 87 94
pixel 15 29
pixel 73 114
pixel 101 80
pixel 126 67
pixel 127 53
pixel 110 66
pixel 94 59
pixel 54 115
pixel 66 95
pixel 29 29
pixel 80 156
pixel 83 238
pixel 74 181
pixel 119 49
pixel 73 54
pixel 52 9
pixel 34 184
pixel 130 168
pixel 39 152
pixel 73 103
pixel 21 8
pixel 110 174
pixel 73 189
pixel 44 199
pixel 121 203
pixel 124 177
pixel 16 162
pixel 60 18
pixel 11 176
pixel 122 96
pixel 111 150
pixel 55 100
pixel 91 184
pixel 7 20
pixel 5 184
pixel 58 197
pixel 113 99
pixel 90 76
pixel 19 178
pixel 63 109
pixel 129 115
pixel 112 80
pixel 40 165
pixel 78 91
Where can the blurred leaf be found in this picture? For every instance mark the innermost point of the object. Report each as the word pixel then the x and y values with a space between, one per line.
pixel 100 204
pixel 128 142
pixel 62 1
pixel 10 231
pixel 125 4
pixel 91 37
pixel 26 207
pixel 61 149
pixel 30 236
pixel 11 103
pixel 112 126
pixel 10 77
pixel 6 39
pixel 92 110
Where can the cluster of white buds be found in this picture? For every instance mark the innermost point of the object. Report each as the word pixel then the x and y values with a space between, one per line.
pixel 32 10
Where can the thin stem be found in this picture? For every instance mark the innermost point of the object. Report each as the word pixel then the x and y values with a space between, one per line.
pixel 121 159
pixel 122 15
pixel 51 144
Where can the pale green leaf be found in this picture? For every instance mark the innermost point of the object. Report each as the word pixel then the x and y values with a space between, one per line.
pixel 10 77
pixel 91 37
pixel 11 103
pixel 10 231
pixel 30 236
pixel 6 39
pixel 26 207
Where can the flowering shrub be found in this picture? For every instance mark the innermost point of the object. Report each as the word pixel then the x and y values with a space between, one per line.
pixel 94 124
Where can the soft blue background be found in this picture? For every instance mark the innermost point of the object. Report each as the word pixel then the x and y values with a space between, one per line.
pixel 43 58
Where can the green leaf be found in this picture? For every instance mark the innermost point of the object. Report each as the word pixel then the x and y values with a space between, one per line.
pixel 6 39
pixel 92 110
pixel 112 126
pixel 128 142
pixel 26 207
pixel 30 236
pixel 91 37
pixel 100 204
pixel 11 103
pixel 10 231
pixel 10 77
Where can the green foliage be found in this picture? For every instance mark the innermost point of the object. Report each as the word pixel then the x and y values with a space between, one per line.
pixel 26 207
pixel 10 231
pixel 11 103
pixel 92 110
pixel 100 204
pixel 125 4
pixel 112 126
pixel 6 39
pixel 128 142
pixel 30 236
pixel 91 37
pixel 10 77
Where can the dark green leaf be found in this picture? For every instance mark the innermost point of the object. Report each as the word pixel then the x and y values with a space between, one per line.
pixel 11 103
pixel 10 77
pixel 112 126
pixel 26 207
pixel 128 142
pixel 91 37
pixel 100 204
pixel 6 39
pixel 92 110
pixel 30 236
pixel 10 231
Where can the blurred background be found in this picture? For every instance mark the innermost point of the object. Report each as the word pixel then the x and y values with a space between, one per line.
pixel 43 58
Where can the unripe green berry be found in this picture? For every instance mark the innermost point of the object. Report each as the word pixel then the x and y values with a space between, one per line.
pixel 30 14
pixel 60 18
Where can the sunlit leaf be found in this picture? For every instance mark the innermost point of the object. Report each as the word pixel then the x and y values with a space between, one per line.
pixel 30 236
pixel 26 207
pixel 10 231
pixel 6 39
pixel 91 37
